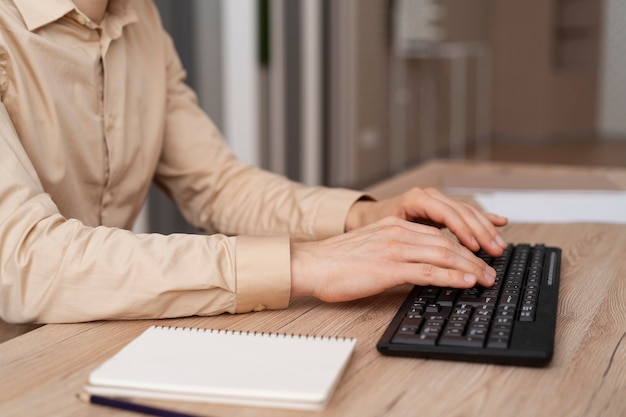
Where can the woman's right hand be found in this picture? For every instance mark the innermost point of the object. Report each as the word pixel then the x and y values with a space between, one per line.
pixel 380 256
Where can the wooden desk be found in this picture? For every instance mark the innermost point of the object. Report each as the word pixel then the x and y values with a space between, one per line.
pixel 40 372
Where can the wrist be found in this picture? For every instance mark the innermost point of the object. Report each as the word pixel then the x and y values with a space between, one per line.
pixel 300 276
pixel 357 215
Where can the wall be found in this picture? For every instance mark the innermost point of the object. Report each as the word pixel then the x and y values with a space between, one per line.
pixel 545 82
pixel 612 97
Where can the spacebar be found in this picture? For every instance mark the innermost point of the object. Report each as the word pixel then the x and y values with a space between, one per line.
pixel 462 341
pixel 415 339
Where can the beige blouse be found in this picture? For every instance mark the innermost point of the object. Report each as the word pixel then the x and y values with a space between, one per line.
pixel 90 115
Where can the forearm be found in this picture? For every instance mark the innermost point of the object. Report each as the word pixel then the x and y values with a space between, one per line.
pixel 262 203
pixel 69 273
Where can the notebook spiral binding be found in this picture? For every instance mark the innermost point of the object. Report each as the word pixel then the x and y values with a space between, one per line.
pixel 253 333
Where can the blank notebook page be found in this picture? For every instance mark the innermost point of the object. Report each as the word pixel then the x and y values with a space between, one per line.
pixel 225 366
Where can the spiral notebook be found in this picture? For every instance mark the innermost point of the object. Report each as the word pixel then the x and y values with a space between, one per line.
pixel 231 367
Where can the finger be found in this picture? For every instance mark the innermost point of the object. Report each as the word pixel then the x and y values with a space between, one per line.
pixel 471 226
pixel 496 219
pixel 419 235
pixel 433 248
pixel 407 242
pixel 487 234
pixel 457 217
pixel 429 274
pixel 493 219
pixel 472 269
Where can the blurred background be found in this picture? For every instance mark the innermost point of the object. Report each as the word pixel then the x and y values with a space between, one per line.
pixel 349 92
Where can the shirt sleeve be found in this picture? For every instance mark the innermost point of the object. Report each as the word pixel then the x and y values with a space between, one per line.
pixel 57 269
pixel 54 269
pixel 218 193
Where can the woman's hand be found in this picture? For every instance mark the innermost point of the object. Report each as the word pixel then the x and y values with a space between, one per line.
pixel 474 228
pixel 385 254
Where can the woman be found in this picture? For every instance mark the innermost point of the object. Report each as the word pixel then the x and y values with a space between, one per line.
pixel 94 107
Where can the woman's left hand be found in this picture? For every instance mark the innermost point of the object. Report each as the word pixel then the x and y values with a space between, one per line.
pixel 474 228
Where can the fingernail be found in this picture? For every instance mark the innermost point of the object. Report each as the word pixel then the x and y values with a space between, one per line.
pixel 500 241
pixel 470 278
pixel 490 274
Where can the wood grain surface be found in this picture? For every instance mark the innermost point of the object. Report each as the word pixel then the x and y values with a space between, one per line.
pixel 42 371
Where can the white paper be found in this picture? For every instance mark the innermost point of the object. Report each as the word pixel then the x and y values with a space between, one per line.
pixel 259 369
pixel 556 206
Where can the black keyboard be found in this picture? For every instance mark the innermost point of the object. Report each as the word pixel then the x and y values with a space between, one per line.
pixel 512 322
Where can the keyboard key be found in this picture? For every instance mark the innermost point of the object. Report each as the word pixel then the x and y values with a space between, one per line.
pixel 416 339
pixel 462 341
pixel 447 297
pixel 500 334
pixel 408 329
pixel 415 321
pixel 475 301
pixel 527 316
pixel 433 308
pixel 508 300
pixel 497 343
pixel 429 292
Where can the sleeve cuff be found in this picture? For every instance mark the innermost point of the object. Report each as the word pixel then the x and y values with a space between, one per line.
pixel 263 273
pixel 332 213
